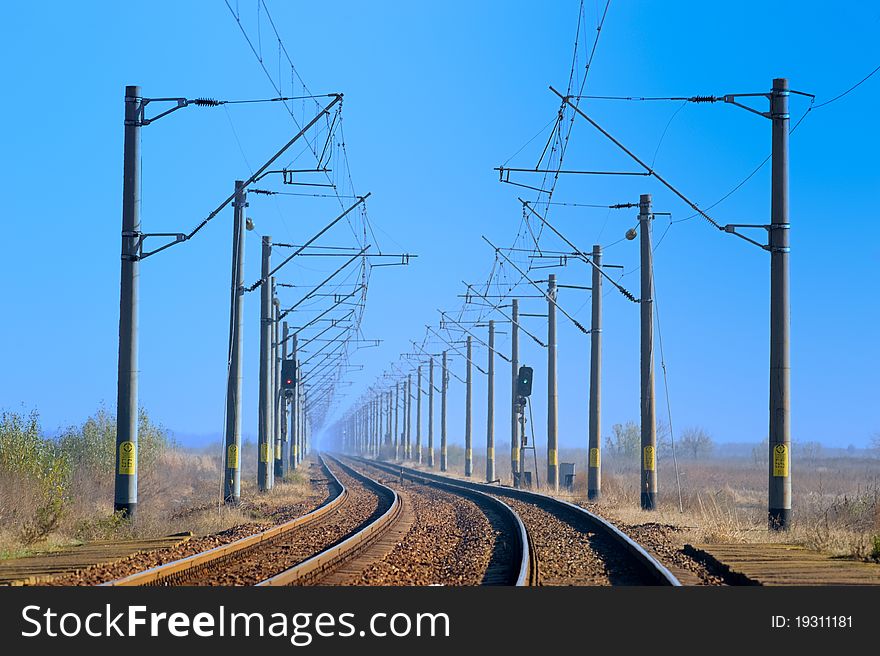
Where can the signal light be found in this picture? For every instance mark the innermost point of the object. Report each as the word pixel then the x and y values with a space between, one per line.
pixel 524 381
pixel 288 374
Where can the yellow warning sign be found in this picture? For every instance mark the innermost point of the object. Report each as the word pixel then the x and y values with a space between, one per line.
pixel 490 453
pixel 594 457
pixel 127 458
pixel 295 449
pixel 232 456
pixel 649 458
pixel 514 455
pixel 551 457
pixel 264 452
pixel 469 454
pixel 780 460
pixel 277 449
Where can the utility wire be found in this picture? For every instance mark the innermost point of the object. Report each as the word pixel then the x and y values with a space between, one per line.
pixel 666 388
pixel 852 88
pixel 538 287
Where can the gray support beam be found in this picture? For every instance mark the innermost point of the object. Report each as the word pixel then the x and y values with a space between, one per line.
pixel 594 462
pixel 444 385
pixel 779 498
pixel 431 413
pixel 490 407
pixel 648 420
pixel 514 408
pixel 285 401
pixel 232 452
pixel 396 421
pixel 276 390
pixel 294 408
pixel 407 441
pixel 125 497
pixel 264 470
pixel 552 394
pixel 468 423
pixel 418 454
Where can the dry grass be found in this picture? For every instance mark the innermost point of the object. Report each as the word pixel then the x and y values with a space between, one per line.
pixel 182 493
pixel 836 500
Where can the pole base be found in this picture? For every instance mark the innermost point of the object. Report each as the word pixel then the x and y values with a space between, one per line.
pixel 128 510
pixel 593 495
pixel 649 501
pixel 779 519
pixel 232 501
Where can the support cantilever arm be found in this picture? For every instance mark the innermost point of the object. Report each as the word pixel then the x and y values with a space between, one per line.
pixel 495 350
pixel 651 171
pixel 536 286
pixel 497 307
pixel 299 250
pixel 580 254
pixel 454 348
pixel 336 98
pixel 322 283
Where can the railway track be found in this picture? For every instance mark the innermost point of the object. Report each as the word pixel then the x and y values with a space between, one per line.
pixel 492 548
pixel 295 553
pixel 572 545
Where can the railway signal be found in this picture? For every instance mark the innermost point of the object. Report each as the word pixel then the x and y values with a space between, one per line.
pixel 288 376
pixel 524 381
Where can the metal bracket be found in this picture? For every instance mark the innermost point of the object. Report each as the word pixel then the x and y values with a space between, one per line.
pixel 731 229
pixel 178 238
pixel 730 98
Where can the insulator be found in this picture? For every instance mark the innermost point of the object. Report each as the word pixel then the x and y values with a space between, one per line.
pixel 701 99
pixel 205 102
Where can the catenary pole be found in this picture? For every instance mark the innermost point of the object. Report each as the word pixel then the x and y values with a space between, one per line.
pixel 418 454
pixel 779 501
pixel 406 415
pixel 490 407
pixel 285 400
pixel 646 306
pixel 264 471
pixel 125 496
pixel 514 407
pixel 444 377
pixel 468 444
pixel 594 463
pixel 431 413
pixel 232 452
pixel 396 420
pixel 552 395
pixel 276 377
pixel 296 447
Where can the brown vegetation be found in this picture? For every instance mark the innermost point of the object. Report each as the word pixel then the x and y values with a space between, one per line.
pixel 59 491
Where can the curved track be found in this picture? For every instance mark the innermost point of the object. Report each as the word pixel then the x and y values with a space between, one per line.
pixel 572 545
pixel 512 559
pixel 295 552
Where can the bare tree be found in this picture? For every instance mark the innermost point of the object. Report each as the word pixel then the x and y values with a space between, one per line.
pixel 810 451
pixel 696 442
pixel 625 440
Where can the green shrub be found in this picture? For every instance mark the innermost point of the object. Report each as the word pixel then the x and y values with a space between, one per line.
pixel 44 481
pixel 101 527
pixel 34 474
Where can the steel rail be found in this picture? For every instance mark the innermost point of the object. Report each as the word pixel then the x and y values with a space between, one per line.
pixel 324 562
pixel 651 565
pixel 527 574
pixel 183 567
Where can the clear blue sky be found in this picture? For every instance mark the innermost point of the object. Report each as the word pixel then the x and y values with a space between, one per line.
pixel 436 95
